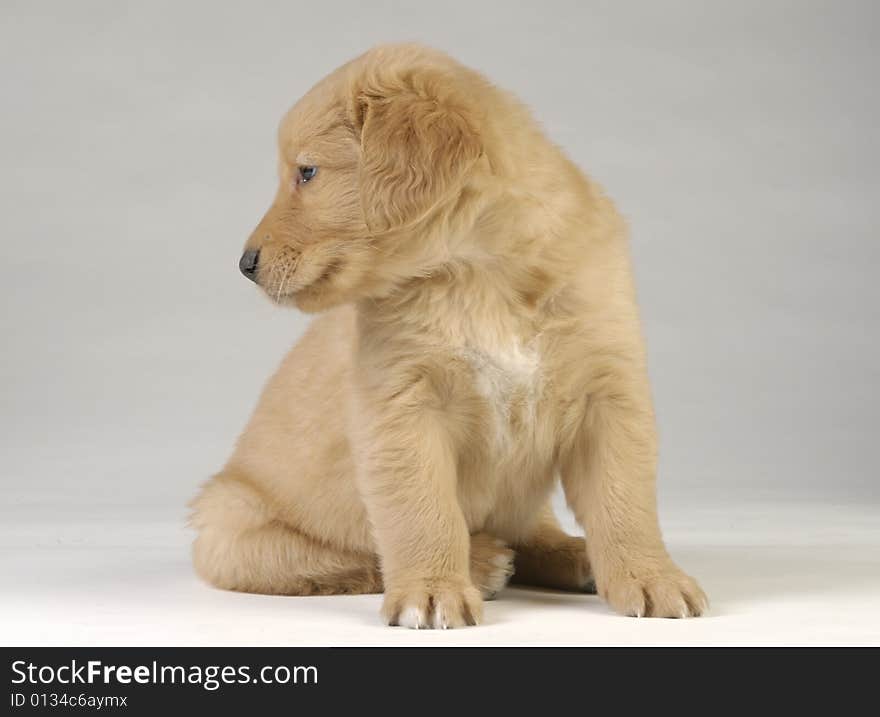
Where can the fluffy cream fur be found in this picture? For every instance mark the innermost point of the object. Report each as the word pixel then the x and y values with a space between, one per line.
pixel 478 340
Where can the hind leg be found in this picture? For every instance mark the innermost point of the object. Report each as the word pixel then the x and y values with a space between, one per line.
pixel 552 558
pixel 491 564
pixel 242 546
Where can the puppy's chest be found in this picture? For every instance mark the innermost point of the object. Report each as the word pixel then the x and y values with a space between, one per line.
pixel 509 376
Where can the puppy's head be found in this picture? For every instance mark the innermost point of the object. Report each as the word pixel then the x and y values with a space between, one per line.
pixel 372 152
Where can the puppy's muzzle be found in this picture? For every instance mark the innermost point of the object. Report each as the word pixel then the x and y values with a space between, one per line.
pixel 249 262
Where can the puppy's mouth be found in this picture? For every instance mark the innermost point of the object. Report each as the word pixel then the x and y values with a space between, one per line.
pixel 331 270
pixel 316 284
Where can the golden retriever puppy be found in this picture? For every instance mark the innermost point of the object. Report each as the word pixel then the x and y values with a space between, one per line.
pixel 478 340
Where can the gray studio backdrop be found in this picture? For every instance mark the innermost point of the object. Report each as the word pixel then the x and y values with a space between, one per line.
pixel 137 145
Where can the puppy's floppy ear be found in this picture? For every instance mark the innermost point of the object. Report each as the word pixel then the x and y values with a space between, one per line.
pixel 417 143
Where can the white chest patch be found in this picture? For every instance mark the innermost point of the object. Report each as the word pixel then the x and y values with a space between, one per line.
pixel 508 377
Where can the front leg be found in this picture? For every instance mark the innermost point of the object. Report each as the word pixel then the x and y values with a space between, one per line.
pixel 608 475
pixel 407 477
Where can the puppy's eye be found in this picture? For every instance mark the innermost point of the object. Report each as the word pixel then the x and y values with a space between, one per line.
pixel 307 174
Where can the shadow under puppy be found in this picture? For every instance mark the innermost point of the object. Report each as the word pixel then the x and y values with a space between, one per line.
pixel 478 340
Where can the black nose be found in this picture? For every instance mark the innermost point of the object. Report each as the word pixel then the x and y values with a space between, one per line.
pixel 248 263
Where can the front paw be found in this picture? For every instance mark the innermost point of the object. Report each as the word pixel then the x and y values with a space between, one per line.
pixel 432 604
pixel 650 591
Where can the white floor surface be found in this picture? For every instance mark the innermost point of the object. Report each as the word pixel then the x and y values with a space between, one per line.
pixel 776 575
